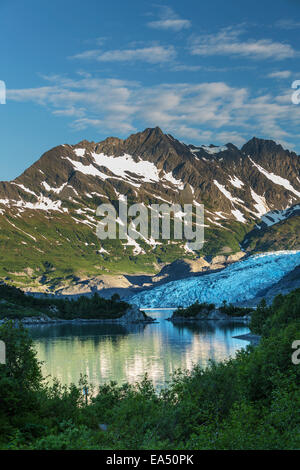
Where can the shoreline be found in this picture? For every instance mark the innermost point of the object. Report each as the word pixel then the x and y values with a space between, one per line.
pixel 191 319
pixel 254 339
pixel 33 321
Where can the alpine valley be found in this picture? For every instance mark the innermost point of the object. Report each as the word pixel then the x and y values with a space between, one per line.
pixel 48 216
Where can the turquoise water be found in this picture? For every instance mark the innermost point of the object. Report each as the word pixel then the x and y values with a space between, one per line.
pixel 125 354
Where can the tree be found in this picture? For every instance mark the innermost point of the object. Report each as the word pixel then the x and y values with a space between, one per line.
pixel 21 375
pixel 115 297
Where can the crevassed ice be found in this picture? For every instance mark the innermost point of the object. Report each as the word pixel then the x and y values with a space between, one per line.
pixel 238 282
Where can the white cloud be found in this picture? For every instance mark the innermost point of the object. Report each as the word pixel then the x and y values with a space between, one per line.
pixel 90 54
pixel 209 112
pixel 186 68
pixel 228 42
pixel 153 55
pixel 169 20
pixel 175 25
pixel 70 112
pixel 288 24
pixel 280 74
pixel 84 123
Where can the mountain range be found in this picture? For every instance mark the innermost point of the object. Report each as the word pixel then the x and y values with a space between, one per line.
pixel 48 216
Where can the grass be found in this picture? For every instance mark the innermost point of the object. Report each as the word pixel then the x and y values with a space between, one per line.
pixel 48 252
pixel 284 235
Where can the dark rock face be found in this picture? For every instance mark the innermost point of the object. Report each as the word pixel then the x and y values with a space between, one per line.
pixel 223 178
pixel 236 186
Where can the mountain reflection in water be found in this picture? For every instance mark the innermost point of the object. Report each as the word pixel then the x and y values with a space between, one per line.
pixel 125 353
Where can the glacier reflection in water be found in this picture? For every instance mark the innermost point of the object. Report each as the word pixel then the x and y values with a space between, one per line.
pixel 126 353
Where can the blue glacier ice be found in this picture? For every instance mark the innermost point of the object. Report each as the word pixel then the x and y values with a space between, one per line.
pixel 238 282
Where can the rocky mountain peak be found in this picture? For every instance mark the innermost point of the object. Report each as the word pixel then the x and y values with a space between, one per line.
pixel 257 146
pixel 48 214
pixel 235 185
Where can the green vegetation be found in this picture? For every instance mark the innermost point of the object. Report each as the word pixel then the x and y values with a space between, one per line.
pixel 193 310
pixel 216 239
pixel 250 402
pixel 14 304
pixel 276 237
pixel 205 308
pixel 67 250
pixel 234 311
pixel 284 311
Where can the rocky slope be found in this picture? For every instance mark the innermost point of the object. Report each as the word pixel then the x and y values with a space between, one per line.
pixel 48 220
pixel 276 231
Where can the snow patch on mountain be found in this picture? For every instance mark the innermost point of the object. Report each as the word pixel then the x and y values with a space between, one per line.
pixel 120 166
pixel 18 228
pixel 5 201
pixel 54 190
pixel 25 189
pixel 169 177
pixel 276 179
pixel 124 168
pixel 236 182
pixel 79 152
pixel 137 249
pixel 273 217
pixel 261 206
pixel 227 193
pixel 43 203
pixel 238 282
pixel 239 216
pixel 220 215
pixel 102 250
pixel 87 169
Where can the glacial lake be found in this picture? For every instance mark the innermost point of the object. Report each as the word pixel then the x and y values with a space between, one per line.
pixel 126 353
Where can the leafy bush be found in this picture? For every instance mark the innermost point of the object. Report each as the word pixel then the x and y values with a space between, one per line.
pixel 234 311
pixel 249 402
pixel 16 304
pixel 192 311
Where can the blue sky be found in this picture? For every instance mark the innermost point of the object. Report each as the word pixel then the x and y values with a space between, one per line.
pixel 206 72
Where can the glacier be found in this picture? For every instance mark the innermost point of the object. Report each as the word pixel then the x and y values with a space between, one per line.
pixel 238 282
